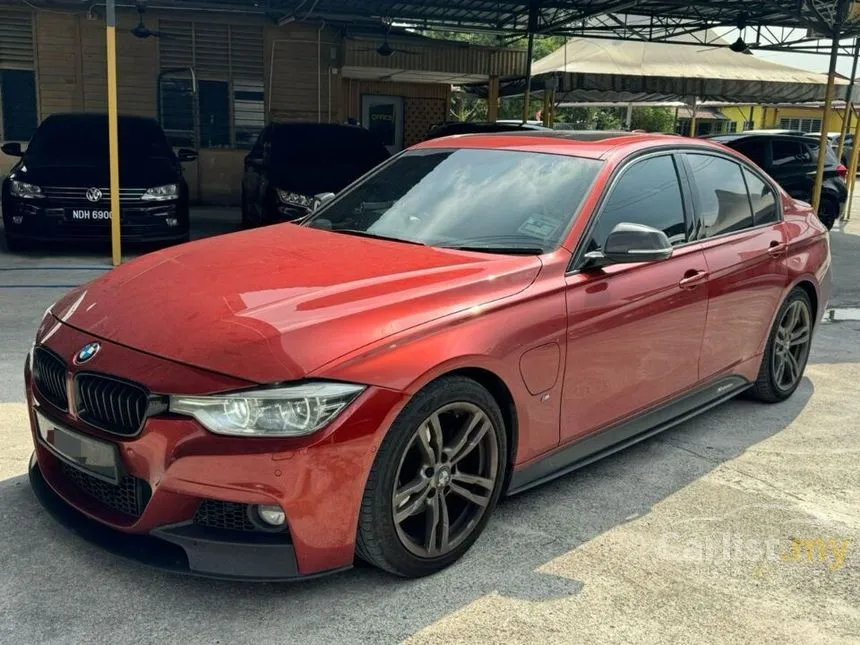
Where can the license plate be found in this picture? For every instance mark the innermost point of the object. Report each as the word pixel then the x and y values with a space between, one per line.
pixel 87 215
pixel 98 458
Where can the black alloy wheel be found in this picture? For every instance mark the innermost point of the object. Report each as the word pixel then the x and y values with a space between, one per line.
pixel 787 351
pixel 436 479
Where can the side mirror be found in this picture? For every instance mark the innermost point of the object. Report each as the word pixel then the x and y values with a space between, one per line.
pixel 629 243
pixel 12 149
pixel 186 154
pixel 321 200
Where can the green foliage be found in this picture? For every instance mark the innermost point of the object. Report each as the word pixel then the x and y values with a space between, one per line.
pixel 653 119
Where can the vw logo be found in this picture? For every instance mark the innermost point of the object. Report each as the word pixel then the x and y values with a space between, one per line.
pixel 94 194
pixel 87 352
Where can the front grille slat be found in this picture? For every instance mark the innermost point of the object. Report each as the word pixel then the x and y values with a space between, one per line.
pixel 80 194
pixel 111 404
pixel 49 374
pixel 129 497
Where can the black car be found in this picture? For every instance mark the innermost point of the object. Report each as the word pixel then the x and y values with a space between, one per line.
pixel 292 163
pixel 792 161
pixel 59 190
pixel 450 128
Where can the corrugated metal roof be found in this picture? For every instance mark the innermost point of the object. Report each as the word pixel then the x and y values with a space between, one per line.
pixel 553 16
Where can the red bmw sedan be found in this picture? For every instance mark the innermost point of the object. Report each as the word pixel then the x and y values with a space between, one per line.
pixel 474 317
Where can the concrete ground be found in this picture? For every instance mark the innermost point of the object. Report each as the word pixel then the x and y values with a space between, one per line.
pixel 741 526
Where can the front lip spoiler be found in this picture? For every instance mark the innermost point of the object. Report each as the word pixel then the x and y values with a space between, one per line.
pixel 181 548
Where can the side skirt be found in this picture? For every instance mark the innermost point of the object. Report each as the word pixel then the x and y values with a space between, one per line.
pixel 614 438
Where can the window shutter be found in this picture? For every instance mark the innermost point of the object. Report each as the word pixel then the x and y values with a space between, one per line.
pixel 176 51
pixel 16 40
pixel 212 50
pixel 246 53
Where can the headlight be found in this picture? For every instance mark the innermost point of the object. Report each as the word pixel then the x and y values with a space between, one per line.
pixel 292 411
pixel 161 193
pixel 25 190
pixel 295 199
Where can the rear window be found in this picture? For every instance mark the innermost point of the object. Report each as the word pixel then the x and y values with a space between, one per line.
pixel 87 137
pixel 313 144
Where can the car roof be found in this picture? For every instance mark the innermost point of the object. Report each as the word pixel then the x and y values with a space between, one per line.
pixel 594 144
pixel 97 117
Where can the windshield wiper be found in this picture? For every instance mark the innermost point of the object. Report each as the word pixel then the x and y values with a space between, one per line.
pixel 501 250
pixel 390 238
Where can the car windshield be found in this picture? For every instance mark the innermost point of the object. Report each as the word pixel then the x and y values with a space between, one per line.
pixel 86 137
pixel 486 200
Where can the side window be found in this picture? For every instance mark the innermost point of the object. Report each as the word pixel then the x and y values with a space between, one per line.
pixel 763 200
pixel 647 193
pixel 721 194
pixel 754 150
pixel 787 152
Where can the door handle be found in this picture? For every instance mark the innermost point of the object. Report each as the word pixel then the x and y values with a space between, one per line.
pixel 777 249
pixel 693 279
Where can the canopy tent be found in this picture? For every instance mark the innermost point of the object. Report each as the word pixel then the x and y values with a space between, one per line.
pixel 594 70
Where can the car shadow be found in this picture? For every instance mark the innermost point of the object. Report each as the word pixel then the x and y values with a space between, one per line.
pixel 54 585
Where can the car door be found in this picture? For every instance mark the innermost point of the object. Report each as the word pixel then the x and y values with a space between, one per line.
pixel 744 243
pixel 634 330
pixel 253 175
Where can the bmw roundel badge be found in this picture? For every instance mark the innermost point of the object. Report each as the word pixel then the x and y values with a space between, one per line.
pixel 87 352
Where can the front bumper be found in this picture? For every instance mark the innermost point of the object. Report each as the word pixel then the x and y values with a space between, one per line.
pixel 318 481
pixel 180 548
pixel 48 220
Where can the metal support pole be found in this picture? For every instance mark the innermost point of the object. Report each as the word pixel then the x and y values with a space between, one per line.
pixel 530 53
pixel 693 119
pixel 113 133
pixel 527 95
pixel 849 99
pixel 823 140
pixel 493 99
pixel 552 105
pixel 628 118
pixel 852 168
pixel 752 118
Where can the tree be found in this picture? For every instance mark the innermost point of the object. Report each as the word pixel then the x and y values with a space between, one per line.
pixel 653 119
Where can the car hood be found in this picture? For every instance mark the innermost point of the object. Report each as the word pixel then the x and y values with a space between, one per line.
pixel 144 173
pixel 277 303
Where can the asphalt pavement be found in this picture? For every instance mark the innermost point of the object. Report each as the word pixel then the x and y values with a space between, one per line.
pixel 741 526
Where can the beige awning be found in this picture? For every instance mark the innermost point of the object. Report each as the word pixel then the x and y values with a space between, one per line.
pixel 589 69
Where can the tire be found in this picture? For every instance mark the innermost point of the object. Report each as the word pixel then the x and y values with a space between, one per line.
pixel 465 415
pixel 771 386
pixel 828 212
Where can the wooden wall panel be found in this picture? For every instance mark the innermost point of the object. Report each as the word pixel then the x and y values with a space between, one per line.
pixel 297 92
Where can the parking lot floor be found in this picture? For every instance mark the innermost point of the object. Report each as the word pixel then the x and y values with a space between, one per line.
pixel 740 526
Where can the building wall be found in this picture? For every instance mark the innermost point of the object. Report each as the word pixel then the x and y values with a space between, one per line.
pixel 302 65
